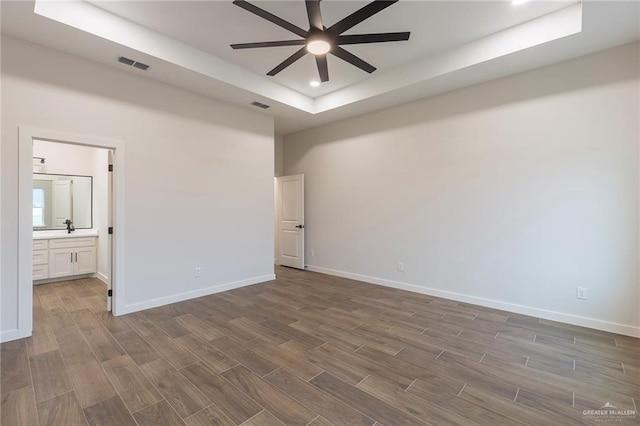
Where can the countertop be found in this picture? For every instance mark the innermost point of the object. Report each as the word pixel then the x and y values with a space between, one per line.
pixel 62 233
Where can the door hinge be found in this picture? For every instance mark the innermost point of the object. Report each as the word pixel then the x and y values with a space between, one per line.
pixel 110 230
pixel 110 167
pixel 110 293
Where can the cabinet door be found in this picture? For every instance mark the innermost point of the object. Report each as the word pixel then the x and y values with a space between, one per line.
pixel 85 260
pixel 61 263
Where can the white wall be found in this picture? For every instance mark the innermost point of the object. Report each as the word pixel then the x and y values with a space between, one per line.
pixel 508 194
pixel 279 155
pixel 63 158
pixel 198 181
pixel 278 171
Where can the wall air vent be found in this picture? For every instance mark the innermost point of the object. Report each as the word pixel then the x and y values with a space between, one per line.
pixel 259 105
pixel 133 63
pixel 126 61
pixel 141 66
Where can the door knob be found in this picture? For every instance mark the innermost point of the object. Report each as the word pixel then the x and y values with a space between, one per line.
pixel 300 226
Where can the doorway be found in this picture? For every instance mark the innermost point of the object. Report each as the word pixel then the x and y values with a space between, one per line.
pixel 72 184
pixel 114 275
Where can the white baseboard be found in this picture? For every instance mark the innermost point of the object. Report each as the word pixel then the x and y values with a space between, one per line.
pixel 102 277
pixel 9 335
pixel 597 324
pixel 161 301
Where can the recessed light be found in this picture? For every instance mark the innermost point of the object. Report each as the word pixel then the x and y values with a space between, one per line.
pixel 518 2
pixel 314 83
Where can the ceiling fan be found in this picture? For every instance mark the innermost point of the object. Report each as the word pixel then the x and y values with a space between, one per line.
pixel 320 40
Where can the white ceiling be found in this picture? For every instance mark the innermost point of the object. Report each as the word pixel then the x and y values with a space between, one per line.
pixel 453 44
pixel 435 26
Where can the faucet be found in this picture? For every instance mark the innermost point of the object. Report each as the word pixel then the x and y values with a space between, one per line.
pixel 70 226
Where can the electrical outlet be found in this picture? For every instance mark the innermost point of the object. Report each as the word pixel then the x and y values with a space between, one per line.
pixel 581 293
pixel 198 272
pixel 401 266
pixel 312 252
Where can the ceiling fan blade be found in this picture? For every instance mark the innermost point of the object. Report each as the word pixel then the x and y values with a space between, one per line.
pixel 323 69
pixel 360 15
pixel 268 44
pixel 353 59
pixel 314 15
pixel 291 59
pixel 270 17
pixel 372 38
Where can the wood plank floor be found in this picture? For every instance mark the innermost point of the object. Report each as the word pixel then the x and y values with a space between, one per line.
pixel 308 349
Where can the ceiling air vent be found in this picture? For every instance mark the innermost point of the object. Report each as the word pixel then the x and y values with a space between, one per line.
pixel 133 63
pixel 126 61
pixel 141 66
pixel 259 105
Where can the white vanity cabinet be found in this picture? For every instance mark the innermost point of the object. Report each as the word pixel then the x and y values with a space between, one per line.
pixel 64 257
pixel 40 259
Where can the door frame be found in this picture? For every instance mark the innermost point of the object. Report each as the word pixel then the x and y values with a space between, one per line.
pixel 26 135
pixel 111 159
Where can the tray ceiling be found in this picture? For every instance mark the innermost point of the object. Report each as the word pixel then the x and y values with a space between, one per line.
pixel 453 44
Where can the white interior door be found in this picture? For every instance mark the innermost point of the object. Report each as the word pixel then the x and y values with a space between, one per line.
pixel 290 201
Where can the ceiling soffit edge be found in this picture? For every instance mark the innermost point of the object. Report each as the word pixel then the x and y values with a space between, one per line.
pixel 91 19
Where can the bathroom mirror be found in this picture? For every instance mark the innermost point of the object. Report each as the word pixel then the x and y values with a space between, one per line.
pixel 57 198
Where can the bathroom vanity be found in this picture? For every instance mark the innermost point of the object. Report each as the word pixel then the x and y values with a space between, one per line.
pixel 58 254
pixel 59 202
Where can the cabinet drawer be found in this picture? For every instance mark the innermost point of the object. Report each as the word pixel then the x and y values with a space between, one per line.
pixel 40 257
pixel 40 272
pixel 40 244
pixel 72 242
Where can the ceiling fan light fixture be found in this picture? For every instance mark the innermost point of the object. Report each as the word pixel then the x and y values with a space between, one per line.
pixel 320 40
pixel 318 46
